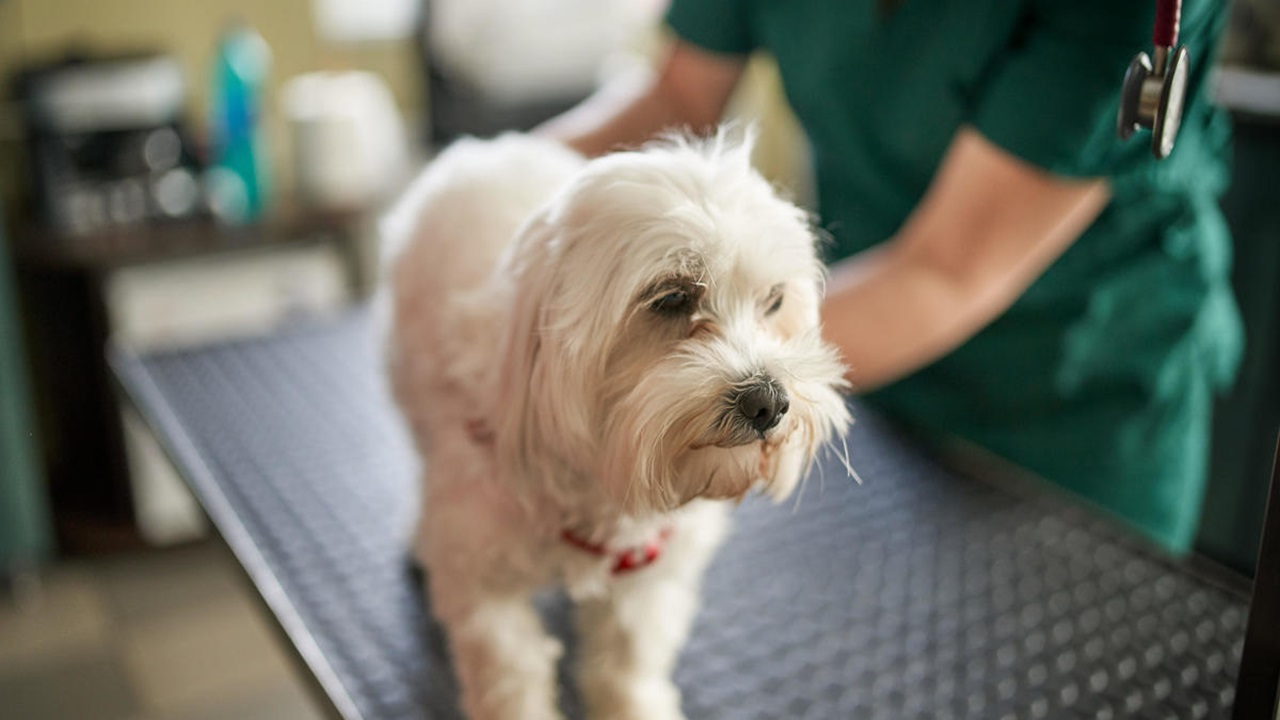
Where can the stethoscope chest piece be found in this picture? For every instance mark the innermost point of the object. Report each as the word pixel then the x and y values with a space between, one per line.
pixel 1153 99
pixel 1154 87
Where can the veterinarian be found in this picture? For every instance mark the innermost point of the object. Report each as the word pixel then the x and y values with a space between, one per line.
pixel 1003 268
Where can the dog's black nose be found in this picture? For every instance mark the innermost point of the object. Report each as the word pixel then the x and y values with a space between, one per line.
pixel 763 404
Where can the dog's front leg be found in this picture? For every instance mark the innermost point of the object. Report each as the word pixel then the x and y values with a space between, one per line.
pixel 632 637
pixel 629 646
pixel 504 659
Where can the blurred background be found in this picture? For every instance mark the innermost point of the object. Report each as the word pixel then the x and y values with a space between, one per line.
pixel 177 172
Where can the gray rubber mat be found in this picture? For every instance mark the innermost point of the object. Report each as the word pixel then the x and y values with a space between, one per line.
pixel 919 594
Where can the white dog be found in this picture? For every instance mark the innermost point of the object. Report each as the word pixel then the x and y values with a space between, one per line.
pixel 593 357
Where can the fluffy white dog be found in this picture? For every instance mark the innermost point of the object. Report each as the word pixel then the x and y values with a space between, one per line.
pixel 593 357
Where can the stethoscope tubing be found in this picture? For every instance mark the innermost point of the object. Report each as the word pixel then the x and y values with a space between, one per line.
pixel 1168 18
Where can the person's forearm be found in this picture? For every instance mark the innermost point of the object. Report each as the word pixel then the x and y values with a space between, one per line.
pixel 689 93
pixel 890 315
pixel 625 112
pixel 988 227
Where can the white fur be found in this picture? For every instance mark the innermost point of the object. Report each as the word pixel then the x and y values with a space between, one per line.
pixel 522 302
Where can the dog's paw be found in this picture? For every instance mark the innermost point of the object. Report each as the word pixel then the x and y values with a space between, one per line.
pixel 632 699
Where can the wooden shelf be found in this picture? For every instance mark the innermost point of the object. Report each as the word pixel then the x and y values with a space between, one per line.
pixel 44 247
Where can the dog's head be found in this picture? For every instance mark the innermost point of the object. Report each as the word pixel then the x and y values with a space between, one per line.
pixel 665 342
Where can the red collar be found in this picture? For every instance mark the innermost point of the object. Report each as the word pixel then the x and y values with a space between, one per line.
pixel 627 559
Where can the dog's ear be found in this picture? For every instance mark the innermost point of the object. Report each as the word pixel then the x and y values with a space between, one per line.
pixel 516 439
pixel 537 413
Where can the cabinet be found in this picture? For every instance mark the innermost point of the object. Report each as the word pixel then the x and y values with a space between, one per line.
pixel 150 286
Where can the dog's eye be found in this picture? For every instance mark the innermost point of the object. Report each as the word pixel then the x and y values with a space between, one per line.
pixel 775 305
pixel 675 302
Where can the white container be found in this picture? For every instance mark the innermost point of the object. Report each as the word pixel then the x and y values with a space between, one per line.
pixel 349 145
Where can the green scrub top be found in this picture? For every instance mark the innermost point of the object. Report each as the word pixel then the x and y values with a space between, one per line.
pixel 1101 376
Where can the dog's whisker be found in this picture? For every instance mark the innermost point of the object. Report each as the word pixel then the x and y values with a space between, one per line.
pixel 844 459
pixel 795 505
pixel 812 448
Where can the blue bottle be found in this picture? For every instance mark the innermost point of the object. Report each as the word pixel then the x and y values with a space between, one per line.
pixel 238 182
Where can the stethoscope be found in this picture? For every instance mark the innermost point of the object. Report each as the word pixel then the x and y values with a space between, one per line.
pixel 1153 92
